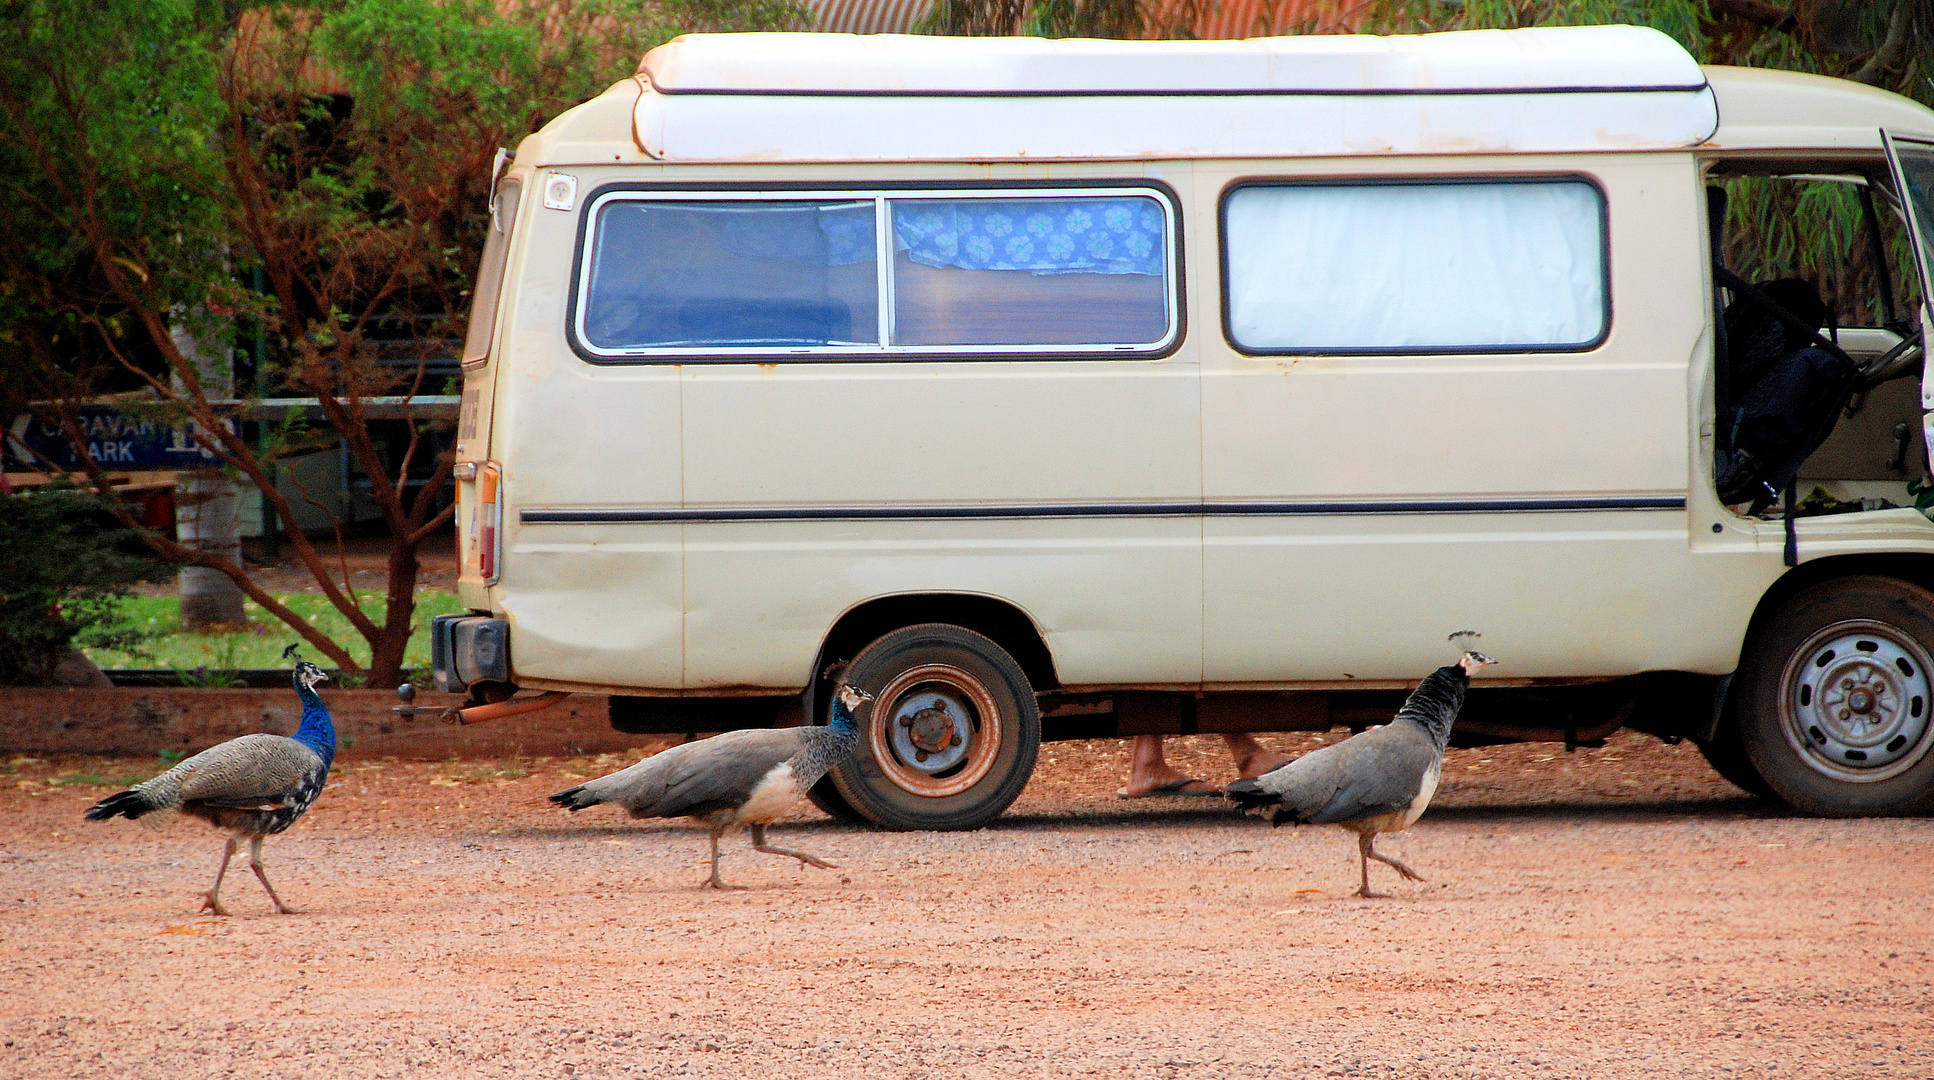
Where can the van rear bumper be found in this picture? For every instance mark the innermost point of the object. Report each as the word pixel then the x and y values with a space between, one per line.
pixel 467 649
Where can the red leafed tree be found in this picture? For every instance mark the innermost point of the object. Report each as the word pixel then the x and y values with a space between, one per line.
pixel 158 158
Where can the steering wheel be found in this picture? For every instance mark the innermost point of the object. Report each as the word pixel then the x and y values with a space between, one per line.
pixel 1900 360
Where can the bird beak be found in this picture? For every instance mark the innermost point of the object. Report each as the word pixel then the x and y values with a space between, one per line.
pixel 1475 662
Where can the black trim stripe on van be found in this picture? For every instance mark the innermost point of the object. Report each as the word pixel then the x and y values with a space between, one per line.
pixel 1099 510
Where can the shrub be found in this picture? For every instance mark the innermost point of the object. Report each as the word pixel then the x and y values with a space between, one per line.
pixel 62 573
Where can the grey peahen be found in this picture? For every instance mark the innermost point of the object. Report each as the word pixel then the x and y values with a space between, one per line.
pixel 253 786
pixel 1378 781
pixel 747 778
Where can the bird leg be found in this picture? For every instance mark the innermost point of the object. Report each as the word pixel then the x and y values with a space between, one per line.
pixel 715 882
pixel 1365 852
pixel 759 844
pixel 255 863
pixel 210 902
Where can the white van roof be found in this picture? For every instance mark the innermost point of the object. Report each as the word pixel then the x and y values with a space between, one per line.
pixel 842 97
pixel 1544 60
pixel 732 98
pixel 1762 110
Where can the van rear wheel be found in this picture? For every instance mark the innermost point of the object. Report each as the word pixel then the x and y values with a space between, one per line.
pixel 827 797
pixel 951 737
pixel 1837 709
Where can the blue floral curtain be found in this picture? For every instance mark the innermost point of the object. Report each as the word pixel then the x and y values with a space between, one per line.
pixel 1044 236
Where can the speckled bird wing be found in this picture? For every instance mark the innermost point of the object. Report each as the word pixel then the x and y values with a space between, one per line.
pixel 254 770
pixel 712 774
pixel 1377 772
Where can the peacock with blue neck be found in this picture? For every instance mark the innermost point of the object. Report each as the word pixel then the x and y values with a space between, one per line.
pixel 317 731
pixel 252 787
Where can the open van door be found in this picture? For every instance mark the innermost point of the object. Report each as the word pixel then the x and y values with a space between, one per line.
pixel 1912 161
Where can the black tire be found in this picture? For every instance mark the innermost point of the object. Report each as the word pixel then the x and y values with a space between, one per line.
pixel 961 706
pixel 1835 699
pixel 827 797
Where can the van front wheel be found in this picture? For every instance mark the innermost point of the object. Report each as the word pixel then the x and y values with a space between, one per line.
pixel 1838 704
pixel 952 734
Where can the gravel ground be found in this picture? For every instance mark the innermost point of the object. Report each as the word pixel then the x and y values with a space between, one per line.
pixel 1610 913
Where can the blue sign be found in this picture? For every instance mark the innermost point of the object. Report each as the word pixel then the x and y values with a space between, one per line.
pixel 111 439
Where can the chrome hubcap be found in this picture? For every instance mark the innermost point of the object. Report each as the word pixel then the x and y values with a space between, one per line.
pixel 1855 701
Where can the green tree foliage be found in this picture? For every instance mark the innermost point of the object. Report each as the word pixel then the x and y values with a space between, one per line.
pixel 159 156
pixel 1883 43
pixel 1774 229
pixel 1066 18
pixel 62 575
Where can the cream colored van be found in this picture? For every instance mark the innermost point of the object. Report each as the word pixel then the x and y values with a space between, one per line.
pixel 1073 389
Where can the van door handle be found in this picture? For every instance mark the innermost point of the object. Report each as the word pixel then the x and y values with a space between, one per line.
pixel 1902 436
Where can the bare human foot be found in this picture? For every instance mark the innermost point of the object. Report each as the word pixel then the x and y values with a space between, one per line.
pixel 1251 759
pixel 1149 773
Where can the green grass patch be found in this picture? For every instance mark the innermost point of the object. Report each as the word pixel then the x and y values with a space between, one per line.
pixel 88 779
pixel 260 644
pixel 162 763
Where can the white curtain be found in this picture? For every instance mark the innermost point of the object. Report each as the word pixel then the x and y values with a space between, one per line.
pixel 1394 267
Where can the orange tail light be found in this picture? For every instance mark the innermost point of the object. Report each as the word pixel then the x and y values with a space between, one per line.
pixel 490 508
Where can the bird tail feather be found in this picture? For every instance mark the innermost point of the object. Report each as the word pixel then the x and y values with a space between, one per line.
pixel 1251 797
pixel 577 798
pixel 131 803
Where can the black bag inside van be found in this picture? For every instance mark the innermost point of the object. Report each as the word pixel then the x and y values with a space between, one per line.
pixel 1790 389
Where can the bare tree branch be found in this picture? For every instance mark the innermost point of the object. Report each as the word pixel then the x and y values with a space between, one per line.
pixel 1758 11
pixel 1884 60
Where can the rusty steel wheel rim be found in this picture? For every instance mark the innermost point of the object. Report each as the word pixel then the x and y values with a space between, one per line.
pixel 936 730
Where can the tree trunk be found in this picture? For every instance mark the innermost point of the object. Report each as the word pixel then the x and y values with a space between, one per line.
pixel 208 509
pixel 387 649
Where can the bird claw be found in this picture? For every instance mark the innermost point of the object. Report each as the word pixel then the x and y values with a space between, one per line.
pixel 211 905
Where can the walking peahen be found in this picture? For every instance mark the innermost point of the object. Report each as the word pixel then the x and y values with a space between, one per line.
pixel 1375 782
pixel 253 786
pixel 748 778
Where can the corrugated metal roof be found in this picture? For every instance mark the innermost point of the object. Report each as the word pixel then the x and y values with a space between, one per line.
pixel 867 16
pixel 1202 20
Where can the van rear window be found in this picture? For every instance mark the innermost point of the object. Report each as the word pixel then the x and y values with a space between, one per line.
pixel 1421 267
pixel 490 273
pixel 878 274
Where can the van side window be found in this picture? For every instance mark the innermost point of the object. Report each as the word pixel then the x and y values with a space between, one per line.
pixel 732 273
pixel 878 274
pixel 1488 266
pixel 1815 227
pixel 1028 271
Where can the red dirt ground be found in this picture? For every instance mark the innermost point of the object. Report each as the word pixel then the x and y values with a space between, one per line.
pixel 1619 912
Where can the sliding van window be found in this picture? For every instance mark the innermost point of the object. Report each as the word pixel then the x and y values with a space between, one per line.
pixel 856 275
pixel 1492 266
